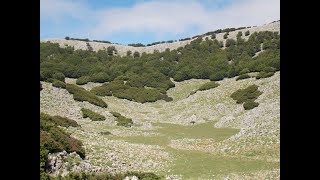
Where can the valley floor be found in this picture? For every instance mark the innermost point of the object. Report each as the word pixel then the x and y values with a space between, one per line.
pixel 225 141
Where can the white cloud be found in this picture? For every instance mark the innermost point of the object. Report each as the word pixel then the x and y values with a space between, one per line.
pixel 180 16
pixel 57 10
pixel 161 17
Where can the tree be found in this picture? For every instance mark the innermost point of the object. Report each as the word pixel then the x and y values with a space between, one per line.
pixel 67 38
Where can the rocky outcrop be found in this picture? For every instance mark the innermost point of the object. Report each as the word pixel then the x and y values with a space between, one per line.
pixel 63 163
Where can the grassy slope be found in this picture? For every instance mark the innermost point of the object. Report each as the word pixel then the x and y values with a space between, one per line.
pixel 226 140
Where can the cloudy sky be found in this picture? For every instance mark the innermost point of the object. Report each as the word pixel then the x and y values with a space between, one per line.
pixel 147 21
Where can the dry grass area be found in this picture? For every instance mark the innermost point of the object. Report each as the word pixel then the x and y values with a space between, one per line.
pixel 225 141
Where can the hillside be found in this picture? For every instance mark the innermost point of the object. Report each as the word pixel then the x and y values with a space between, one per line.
pixel 122 49
pixel 202 110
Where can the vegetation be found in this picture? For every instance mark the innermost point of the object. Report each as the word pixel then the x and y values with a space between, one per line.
pixel 243 76
pixel 132 90
pixel 137 45
pixel 121 120
pixel 230 42
pixel 92 115
pixel 263 74
pixel 58 84
pixel 247 33
pixel 80 94
pixel 225 36
pixel 247 96
pixel 208 85
pixel 199 59
pixel 54 139
pixel 63 121
pixel 108 176
pixel 59 76
pixel 250 105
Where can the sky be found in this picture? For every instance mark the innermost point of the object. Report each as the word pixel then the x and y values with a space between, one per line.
pixel 147 21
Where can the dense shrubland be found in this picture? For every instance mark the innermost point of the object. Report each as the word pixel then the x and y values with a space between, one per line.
pixel 199 59
pixel 206 86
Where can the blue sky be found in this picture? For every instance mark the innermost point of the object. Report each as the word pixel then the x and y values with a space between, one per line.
pixel 147 21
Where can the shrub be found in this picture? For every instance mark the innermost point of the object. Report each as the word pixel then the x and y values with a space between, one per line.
pixel 248 94
pixel 80 94
pixel 217 76
pixel 239 34
pixel 83 80
pixel 121 120
pixel 92 115
pixel 55 139
pixel 100 77
pixel 208 85
pixel 136 54
pixel 213 36
pixel 225 36
pixel 58 84
pixel 263 74
pixel 245 71
pixel 67 38
pixel 105 133
pixel 63 121
pixel 250 105
pixel 230 42
pixel 129 53
pixel 247 33
pixel 59 76
pixel 243 76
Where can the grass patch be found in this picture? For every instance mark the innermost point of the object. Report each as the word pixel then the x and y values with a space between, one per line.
pixel 80 94
pixel 121 120
pixel 92 115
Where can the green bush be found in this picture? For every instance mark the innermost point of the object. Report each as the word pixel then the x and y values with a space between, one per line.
pixel 63 121
pixel 248 94
pixel 247 33
pixel 55 139
pixel 213 36
pixel 217 76
pixel 208 85
pixel 243 76
pixel 105 133
pixel 136 54
pixel 225 36
pixel 129 53
pixel 92 115
pixel 58 84
pixel 230 42
pixel 59 76
pixel 83 80
pixel 100 77
pixel 263 74
pixel 80 94
pixel 121 120
pixel 250 105
pixel 245 71
pixel 239 34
